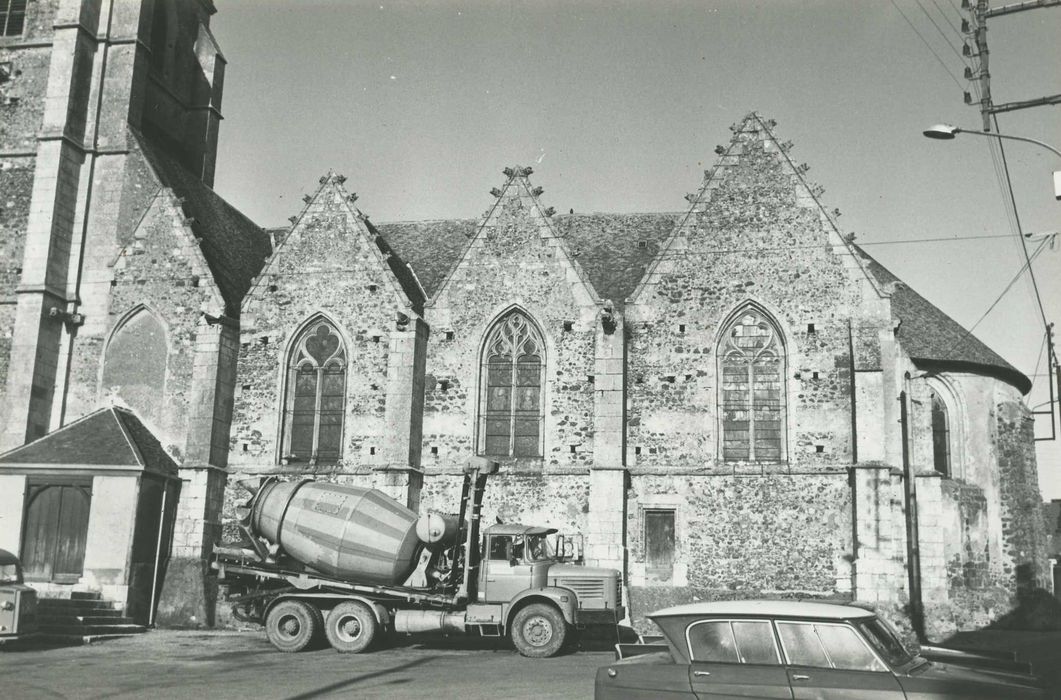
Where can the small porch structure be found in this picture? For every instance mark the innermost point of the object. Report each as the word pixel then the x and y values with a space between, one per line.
pixel 90 508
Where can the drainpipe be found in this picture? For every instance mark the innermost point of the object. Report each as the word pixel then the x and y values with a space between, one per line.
pixel 913 548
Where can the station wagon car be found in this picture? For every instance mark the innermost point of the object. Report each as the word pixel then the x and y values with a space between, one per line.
pixel 18 602
pixel 796 650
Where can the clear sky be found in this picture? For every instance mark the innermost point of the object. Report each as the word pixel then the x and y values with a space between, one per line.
pixel 619 107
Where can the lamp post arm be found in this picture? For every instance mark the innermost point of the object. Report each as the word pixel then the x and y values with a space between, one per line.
pixel 1012 138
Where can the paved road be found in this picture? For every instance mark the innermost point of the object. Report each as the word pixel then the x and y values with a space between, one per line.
pixel 208 665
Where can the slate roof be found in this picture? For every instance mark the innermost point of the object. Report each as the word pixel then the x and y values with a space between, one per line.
pixel 613 249
pixel 930 336
pixel 111 436
pixel 235 247
pixel 402 271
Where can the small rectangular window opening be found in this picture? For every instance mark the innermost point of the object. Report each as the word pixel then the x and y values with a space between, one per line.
pixel 568 325
pixel 819 449
pixel 642 244
pixel 434 450
pixel 572 449
pixel 814 375
pixel 810 328
pixel 637 450
pixel 449 335
pixel 372 450
pixel 12 17
pixel 246 447
pixel 681 327
pixel 444 385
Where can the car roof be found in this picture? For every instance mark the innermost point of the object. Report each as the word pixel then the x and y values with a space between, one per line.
pixel 517 529
pixel 772 608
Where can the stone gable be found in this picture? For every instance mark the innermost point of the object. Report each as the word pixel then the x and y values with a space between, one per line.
pixel 330 265
pixel 514 261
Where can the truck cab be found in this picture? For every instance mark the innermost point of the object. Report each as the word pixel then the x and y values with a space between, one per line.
pixel 18 602
pixel 515 558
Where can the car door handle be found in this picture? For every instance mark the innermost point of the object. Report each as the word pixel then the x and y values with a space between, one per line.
pixel 800 677
pixel 701 673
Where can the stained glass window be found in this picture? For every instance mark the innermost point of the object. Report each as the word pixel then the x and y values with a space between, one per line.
pixel 752 394
pixel 940 435
pixel 511 407
pixel 316 381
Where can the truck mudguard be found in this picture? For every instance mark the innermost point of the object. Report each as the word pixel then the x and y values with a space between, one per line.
pixel 563 598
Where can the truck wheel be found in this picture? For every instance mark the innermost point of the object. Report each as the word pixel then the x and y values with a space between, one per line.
pixel 538 630
pixel 350 627
pixel 292 624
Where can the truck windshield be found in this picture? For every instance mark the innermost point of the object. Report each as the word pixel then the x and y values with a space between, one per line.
pixel 885 641
pixel 539 548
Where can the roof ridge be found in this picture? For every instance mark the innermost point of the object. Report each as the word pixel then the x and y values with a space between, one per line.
pixel 115 412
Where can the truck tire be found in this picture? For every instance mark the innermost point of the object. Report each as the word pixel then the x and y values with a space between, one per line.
pixel 350 627
pixel 538 631
pixel 292 624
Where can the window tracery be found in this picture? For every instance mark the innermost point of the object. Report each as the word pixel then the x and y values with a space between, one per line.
pixel 752 394
pixel 316 389
pixel 511 404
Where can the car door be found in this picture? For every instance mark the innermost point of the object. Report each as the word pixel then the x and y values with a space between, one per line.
pixel 735 659
pixel 830 661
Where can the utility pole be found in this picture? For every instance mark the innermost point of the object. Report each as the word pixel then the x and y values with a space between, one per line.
pixel 976 27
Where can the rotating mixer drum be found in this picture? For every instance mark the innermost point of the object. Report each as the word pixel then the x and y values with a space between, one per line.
pixel 343 531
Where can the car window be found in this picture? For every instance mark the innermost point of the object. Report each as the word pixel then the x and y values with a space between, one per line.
pixel 737 641
pixel 885 641
pixel 829 646
pixel 712 641
pixel 802 646
pixel 846 649
pixel 755 642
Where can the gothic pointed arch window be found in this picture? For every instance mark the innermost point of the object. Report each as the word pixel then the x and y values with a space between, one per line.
pixel 316 391
pixel 510 409
pixel 752 406
pixel 941 458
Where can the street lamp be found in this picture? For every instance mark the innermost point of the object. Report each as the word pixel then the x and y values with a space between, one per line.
pixel 946 132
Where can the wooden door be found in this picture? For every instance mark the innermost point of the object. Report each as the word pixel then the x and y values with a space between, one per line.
pixel 56 526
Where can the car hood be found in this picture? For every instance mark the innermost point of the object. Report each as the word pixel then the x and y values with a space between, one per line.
pixel 575 571
pixel 938 674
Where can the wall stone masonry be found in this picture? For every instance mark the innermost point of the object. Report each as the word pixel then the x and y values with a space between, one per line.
pixel 737 365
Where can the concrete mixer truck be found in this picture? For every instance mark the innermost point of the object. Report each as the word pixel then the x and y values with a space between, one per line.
pixel 355 564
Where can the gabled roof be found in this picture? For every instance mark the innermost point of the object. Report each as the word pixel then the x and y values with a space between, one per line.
pixel 404 279
pixel 518 195
pixel 111 437
pixel 933 338
pixel 235 247
pixel 613 249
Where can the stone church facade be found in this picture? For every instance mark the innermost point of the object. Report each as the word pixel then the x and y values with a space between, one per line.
pixel 732 400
